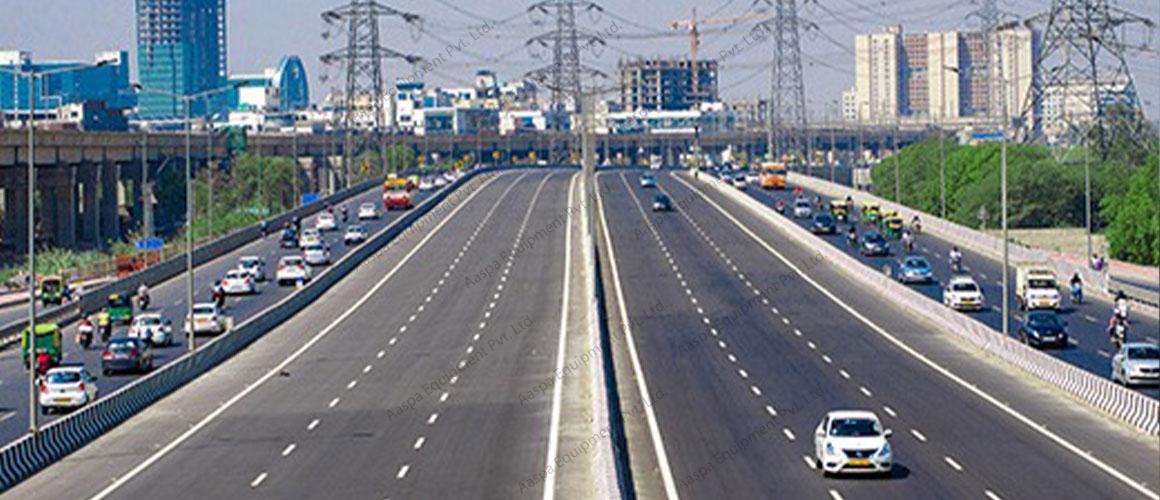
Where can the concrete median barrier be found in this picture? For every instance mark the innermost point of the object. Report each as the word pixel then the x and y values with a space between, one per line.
pixel 1133 408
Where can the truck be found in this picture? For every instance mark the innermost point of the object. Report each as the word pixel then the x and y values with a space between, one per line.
pixel 773 175
pixel 397 194
pixel 1036 286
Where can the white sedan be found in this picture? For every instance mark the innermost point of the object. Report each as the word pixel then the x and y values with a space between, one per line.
pixel 852 441
pixel 151 328
pixel 316 254
pixel 426 185
pixel 354 234
pixel 254 265
pixel 325 222
pixel 367 211
pixel 962 293
pixel 1137 363
pixel 440 182
pixel 309 237
pixel 802 209
pixel 239 282
pixel 292 269
pixel 66 387
pixel 206 319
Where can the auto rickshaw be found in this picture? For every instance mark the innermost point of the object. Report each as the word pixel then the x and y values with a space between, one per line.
pixel 53 290
pixel 838 210
pixel 870 213
pixel 892 224
pixel 46 340
pixel 120 309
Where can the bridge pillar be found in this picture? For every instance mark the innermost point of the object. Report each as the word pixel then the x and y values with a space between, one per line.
pixel 88 176
pixel 59 207
pixel 15 222
pixel 108 215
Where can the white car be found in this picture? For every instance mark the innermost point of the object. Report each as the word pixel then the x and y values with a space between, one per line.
pixel 440 182
pixel 426 185
pixel 309 237
pixel 239 282
pixel 739 181
pixel 66 387
pixel 802 209
pixel 151 328
pixel 325 222
pixel 753 178
pixel 354 234
pixel 852 441
pixel 254 265
pixel 962 293
pixel 291 269
pixel 1137 363
pixel 367 211
pixel 206 319
pixel 316 254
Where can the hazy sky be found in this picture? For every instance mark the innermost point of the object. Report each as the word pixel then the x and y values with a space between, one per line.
pixel 261 31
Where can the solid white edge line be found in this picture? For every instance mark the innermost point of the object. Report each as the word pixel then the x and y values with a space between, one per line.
pixel 122 480
pixel 1059 440
pixel 642 386
pixel 561 349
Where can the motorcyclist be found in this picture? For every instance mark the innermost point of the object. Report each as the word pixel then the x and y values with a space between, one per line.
pixel 43 363
pixel 343 211
pixel 907 240
pixel 265 228
pixel 85 332
pixel 1118 331
pixel 852 236
pixel 781 206
pixel 218 294
pixel 956 259
pixel 143 296
pixel 1076 288
pixel 104 324
pixel 916 223
pixel 1120 309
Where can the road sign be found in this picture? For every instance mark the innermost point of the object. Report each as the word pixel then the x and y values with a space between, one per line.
pixel 987 136
pixel 308 198
pixel 149 244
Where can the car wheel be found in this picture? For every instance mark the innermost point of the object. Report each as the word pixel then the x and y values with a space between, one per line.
pixel 44 410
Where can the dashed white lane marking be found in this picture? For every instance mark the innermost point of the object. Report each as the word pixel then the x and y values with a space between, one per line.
pixel 827 359
pixel 769 409
pixel 785 320
pixel 835 495
pixel 351 384
pixel 367 368
pixel 289 449
pixel 470 349
pixel 865 391
pixel 756 391
pixel 313 423
pixel 1104 353
pixel 743 373
pixel 732 358
pixel 402 472
pixel 334 402
pixel 810 462
pixel 918 435
pixel 844 374
pixel 889 411
pixel 954 465
pixel 1090 318
pixel 381 354
pixel 797 332
pixel 443 397
pixel 419 442
pixel 432 418
pixel 788 434
pixel 454 379
pixel 258 480
pixel 475 338
pixel 812 345
pixel 992 496
pixel 393 340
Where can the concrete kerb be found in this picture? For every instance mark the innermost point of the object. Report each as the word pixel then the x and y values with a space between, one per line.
pixel 983 243
pixel 1130 407
pixel 32 453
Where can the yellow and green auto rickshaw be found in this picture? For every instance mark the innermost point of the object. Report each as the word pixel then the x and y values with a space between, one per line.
pixel 46 340
pixel 892 224
pixel 120 309
pixel 839 211
pixel 870 212
pixel 53 290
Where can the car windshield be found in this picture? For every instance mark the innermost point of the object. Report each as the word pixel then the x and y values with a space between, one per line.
pixel 916 262
pixel 292 262
pixel 207 310
pixel 1144 352
pixel 236 275
pixel 824 219
pixel 314 248
pixel 148 321
pixel 964 287
pixel 1041 283
pixel 1043 320
pixel 249 262
pixel 355 228
pixel 802 203
pixel 875 238
pixel 64 377
pixel 660 198
pixel 854 427
pixel 367 206
pixel 123 345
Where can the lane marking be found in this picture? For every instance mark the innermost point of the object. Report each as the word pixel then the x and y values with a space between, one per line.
pixel 845 374
pixel 642 386
pixel 258 480
pixel 313 423
pixel 419 442
pixel 403 472
pixel 865 391
pixel 810 462
pixel 889 411
pixel 289 449
pixel 788 434
pixel 769 409
pixel 334 402
pixel 954 465
pixel 991 495
pixel 351 385
pixel 432 418
pixel 561 352
pixel 156 456
pixel 835 495
pixel 918 435
pixel 1018 416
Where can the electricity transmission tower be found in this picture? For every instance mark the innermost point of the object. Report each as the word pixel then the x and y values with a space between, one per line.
pixel 1082 76
pixel 787 94
pixel 361 60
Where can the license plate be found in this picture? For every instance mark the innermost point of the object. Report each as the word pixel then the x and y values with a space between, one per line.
pixel 858 461
pixel 61 400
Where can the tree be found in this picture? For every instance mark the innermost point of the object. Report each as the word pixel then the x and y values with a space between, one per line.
pixel 1134 218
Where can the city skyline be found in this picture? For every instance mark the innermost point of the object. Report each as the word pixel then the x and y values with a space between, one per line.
pixel 258 40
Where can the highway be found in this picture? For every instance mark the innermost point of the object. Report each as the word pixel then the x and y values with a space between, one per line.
pixel 168 298
pixel 1087 322
pixel 738 357
pixel 414 378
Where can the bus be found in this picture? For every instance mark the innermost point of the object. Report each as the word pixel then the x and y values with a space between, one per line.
pixel 397 194
pixel 773 175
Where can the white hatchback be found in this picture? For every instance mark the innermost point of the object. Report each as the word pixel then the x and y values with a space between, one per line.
pixel 316 254
pixel 292 269
pixel 254 265
pixel 239 282
pixel 152 328
pixel 206 319
pixel 66 387
pixel 852 441
pixel 367 211
pixel 325 222
pixel 962 293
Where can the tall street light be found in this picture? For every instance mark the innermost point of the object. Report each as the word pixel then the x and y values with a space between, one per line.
pixel 32 77
pixel 186 99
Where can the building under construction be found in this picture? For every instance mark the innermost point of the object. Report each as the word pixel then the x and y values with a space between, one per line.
pixel 666 84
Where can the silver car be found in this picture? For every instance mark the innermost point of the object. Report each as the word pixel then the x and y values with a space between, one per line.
pixel 316 254
pixel 1137 363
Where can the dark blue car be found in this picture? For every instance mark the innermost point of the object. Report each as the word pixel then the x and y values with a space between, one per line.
pixel 874 244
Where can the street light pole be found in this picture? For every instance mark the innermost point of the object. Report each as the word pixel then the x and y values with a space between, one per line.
pixel 192 340
pixel 32 253
pixel 1087 196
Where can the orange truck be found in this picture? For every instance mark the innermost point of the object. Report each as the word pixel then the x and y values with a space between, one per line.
pixel 773 175
pixel 397 194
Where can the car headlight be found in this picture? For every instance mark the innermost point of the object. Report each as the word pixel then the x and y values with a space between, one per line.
pixel 885 451
pixel 829 448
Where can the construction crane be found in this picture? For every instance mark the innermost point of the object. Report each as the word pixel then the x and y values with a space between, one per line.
pixel 693 26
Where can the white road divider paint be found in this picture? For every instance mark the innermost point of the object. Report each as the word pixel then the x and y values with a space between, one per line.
pixel 561 352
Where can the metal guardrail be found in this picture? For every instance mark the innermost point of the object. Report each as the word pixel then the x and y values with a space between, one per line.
pixel 1131 407
pixel 34 452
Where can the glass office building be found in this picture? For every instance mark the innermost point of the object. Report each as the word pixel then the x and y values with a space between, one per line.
pixel 108 84
pixel 181 49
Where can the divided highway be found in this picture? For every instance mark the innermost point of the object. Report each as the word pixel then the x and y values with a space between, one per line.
pixel 1088 347
pixel 420 375
pixel 741 356
pixel 168 299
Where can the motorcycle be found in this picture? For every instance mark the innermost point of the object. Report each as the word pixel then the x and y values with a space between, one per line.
pixel 106 332
pixel 85 334
pixel 219 299
pixel 1076 293
pixel 1118 332
pixel 781 207
pixel 851 240
pixel 143 302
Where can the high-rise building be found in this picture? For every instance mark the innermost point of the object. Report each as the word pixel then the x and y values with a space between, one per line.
pixel 181 49
pixel 107 84
pixel 280 89
pixel 942 76
pixel 667 84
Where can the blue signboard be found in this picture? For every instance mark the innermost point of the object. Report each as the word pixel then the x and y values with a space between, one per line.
pixel 149 244
pixel 987 136
pixel 308 198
